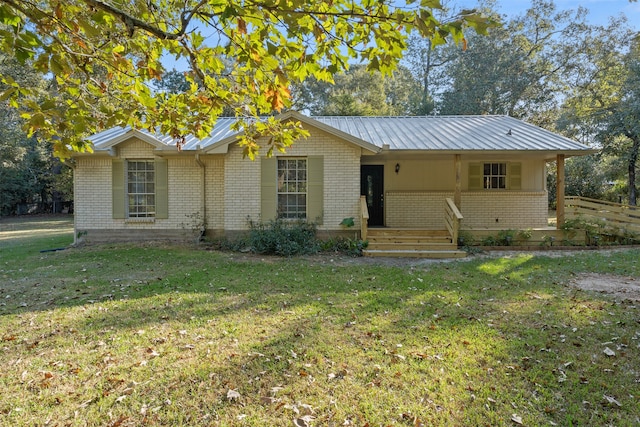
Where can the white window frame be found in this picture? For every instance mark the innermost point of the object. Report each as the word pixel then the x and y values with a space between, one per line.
pixel 495 178
pixel 143 191
pixel 292 189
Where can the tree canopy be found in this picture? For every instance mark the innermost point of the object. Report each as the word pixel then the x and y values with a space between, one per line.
pixel 103 55
pixel 358 92
pixel 30 178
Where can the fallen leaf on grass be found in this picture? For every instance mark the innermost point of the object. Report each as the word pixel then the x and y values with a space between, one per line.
pixel 609 352
pixel 152 353
pixel 516 419
pixel 120 421
pixel 612 401
pixel 276 389
pixel 303 421
pixel 268 400
pixel 232 395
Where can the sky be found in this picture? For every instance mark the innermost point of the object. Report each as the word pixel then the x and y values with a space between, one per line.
pixel 599 10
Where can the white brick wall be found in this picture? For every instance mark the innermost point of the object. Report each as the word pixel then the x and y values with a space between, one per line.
pixel 93 197
pixel 215 192
pixel 341 181
pixel 512 209
pixel 416 209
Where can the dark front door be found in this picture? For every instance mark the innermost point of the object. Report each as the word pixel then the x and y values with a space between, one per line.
pixel 372 187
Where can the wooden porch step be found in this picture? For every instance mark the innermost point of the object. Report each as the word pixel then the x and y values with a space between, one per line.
pixel 409 239
pixel 411 242
pixel 426 254
pixel 396 232
pixel 412 245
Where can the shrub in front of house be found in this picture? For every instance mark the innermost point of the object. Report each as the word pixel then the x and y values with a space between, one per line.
pixel 283 238
pixel 287 238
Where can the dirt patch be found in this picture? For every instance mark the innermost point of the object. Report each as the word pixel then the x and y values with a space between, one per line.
pixel 618 286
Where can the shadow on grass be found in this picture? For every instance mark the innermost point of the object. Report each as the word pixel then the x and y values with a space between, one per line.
pixel 456 343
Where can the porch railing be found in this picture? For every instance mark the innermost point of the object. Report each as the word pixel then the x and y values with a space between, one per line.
pixel 452 219
pixel 615 217
pixel 364 217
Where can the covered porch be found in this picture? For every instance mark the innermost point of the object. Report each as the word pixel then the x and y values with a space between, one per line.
pixel 424 213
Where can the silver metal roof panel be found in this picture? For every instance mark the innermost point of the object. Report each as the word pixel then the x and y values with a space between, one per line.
pixel 436 133
pixel 477 133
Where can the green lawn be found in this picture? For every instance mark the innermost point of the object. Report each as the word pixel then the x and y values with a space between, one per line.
pixel 124 335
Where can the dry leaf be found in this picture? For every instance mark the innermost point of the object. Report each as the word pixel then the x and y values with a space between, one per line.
pixel 276 389
pixel 609 352
pixel 611 400
pixel 516 419
pixel 152 353
pixel 269 400
pixel 306 409
pixel 303 421
pixel 232 395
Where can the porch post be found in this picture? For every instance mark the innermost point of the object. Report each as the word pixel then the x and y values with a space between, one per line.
pixel 457 195
pixel 560 191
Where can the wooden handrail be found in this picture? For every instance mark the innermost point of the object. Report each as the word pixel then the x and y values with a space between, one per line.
pixel 364 217
pixel 452 217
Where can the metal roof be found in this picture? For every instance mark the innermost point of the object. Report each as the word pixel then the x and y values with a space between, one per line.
pixel 452 133
pixel 433 133
pixel 222 130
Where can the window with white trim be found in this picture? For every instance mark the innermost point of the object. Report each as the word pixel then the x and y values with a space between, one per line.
pixel 495 175
pixel 292 188
pixel 141 196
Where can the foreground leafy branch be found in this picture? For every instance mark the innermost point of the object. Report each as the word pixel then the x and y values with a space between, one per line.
pixel 103 55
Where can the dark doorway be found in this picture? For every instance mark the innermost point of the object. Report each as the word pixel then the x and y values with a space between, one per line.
pixel 372 187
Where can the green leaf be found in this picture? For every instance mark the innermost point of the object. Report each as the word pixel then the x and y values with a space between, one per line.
pixel 9 17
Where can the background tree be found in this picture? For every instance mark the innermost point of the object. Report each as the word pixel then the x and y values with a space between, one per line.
pixel 358 92
pixel 427 62
pixel 173 82
pixel 517 69
pixel 30 177
pixel 271 42
pixel 601 103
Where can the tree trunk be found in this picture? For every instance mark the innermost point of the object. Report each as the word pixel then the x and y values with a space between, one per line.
pixel 633 161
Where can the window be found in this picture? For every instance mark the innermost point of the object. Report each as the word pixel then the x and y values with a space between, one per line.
pixel 495 175
pixel 292 188
pixel 141 197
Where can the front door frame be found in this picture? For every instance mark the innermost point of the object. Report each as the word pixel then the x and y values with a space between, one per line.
pixel 373 190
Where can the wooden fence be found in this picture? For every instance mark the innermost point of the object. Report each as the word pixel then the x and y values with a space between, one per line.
pixel 614 218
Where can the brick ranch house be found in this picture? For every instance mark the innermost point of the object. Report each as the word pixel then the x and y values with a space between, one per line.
pixel 139 186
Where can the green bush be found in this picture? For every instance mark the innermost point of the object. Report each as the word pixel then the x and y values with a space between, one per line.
pixel 344 245
pixel 282 238
pixel 285 238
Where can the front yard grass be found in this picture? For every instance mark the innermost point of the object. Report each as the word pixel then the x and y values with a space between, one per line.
pixel 130 335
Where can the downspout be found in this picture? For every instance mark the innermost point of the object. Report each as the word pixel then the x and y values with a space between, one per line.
pixel 203 186
pixel 72 164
